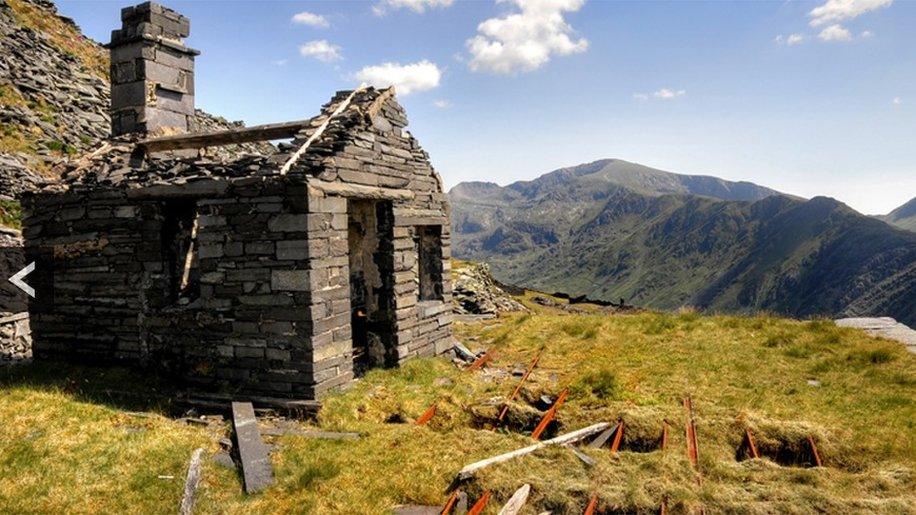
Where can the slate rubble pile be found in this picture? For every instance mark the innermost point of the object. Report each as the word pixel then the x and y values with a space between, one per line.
pixel 15 341
pixel 476 292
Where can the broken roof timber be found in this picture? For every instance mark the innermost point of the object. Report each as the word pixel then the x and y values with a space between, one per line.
pixel 224 137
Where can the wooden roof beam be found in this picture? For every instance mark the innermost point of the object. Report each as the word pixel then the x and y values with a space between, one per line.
pixel 223 137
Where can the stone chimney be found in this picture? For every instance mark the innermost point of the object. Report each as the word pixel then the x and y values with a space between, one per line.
pixel 152 72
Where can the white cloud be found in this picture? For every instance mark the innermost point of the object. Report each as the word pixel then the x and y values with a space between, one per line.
pixel 668 94
pixel 791 40
pixel 525 41
pixel 280 62
pixel 866 34
pixel 311 19
pixel 406 78
pixel 896 101
pixel 321 50
pixel 417 6
pixel 835 33
pixel 442 104
pixel 662 94
pixel 835 11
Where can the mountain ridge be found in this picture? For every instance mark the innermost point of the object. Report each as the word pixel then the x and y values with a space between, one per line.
pixel 903 216
pixel 779 253
pixel 619 172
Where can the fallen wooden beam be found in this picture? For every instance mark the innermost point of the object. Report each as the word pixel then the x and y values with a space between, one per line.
pixel 693 451
pixel 751 443
pixel 256 470
pixel 427 415
pixel 571 437
pixel 515 503
pixel 450 503
pixel 481 503
pixel 224 137
pixel 222 402
pixel 817 456
pixel 592 505
pixel 14 318
pixel 191 483
pixel 320 130
pixel 521 382
pixel 483 360
pixel 551 413
pixel 618 437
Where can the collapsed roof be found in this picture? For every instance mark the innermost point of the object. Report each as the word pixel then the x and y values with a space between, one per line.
pixel 132 162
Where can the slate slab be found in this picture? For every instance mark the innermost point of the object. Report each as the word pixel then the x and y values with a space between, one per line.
pixel 885 327
pixel 253 452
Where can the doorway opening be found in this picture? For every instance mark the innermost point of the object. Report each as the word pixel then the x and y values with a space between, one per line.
pixel 370 237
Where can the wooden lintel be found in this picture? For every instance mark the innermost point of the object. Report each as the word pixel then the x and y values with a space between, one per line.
pixel 223 137
pixel 343 189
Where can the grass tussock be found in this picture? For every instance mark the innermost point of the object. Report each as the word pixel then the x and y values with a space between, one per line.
pixel 851 393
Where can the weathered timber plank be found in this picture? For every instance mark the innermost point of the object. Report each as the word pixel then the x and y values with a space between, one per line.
pixel 574 436
pixel 256 470
pixel 224 137
pixel 517 501
pixel 191 483
pixel 14 318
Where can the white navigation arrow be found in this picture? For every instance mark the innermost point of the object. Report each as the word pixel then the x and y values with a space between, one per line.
pixel 18 277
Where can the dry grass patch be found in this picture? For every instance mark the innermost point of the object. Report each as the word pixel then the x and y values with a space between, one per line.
pixel 635 368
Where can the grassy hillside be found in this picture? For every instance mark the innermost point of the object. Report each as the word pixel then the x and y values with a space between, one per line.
pixel 566 232
pixel 74 449
pixel 903 217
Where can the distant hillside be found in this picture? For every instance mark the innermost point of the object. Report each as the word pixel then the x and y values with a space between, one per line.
pixel 609 235
pixel 903 217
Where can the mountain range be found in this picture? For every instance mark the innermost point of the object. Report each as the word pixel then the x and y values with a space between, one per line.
pixel 613 229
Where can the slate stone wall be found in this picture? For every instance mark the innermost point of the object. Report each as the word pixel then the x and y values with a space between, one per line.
pixel 270 313
pixel 378 158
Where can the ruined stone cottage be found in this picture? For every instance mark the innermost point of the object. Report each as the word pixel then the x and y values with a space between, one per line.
pixel 281 274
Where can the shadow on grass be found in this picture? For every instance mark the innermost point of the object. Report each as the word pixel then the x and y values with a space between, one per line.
pixel 118 387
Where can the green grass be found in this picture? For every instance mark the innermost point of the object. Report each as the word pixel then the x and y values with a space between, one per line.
pixel 68 443
pixel 11 214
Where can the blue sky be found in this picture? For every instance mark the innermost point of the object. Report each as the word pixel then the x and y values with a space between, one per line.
pixel 811 98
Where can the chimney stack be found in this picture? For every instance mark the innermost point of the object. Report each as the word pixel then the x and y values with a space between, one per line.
pixel 152 72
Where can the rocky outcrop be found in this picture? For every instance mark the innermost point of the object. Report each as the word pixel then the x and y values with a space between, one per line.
pixel 475 292
pixel 15 339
